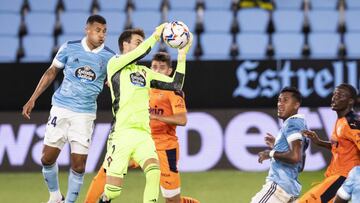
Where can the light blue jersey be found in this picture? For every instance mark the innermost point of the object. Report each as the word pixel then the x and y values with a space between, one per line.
pixel 350 190
pixel 84 75
pixel 285 174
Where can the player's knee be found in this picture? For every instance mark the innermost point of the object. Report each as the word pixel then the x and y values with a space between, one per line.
pixel 78 167
pixel 151 161
pixel 47 160
pixel 112 191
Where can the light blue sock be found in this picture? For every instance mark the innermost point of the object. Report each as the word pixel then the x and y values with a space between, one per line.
pixel 74 185
pixel 50 174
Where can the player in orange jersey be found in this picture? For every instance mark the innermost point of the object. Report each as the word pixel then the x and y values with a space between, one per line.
pixel 167 110
pixel 344 145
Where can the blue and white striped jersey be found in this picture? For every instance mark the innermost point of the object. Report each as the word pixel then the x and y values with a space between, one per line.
pixel 84 74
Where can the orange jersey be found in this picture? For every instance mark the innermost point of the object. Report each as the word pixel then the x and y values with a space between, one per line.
pixel 345 144
pixel 165 103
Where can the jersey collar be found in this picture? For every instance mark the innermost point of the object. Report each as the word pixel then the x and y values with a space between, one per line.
pixel 85 46
pixel 296 116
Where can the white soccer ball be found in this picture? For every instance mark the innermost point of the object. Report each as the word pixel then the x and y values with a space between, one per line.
pixel 176 34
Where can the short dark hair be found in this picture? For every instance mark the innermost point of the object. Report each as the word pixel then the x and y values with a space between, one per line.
pixel 162 56
pixel 96 18
pixel 126 36
pixel 295 93
pixel 351 89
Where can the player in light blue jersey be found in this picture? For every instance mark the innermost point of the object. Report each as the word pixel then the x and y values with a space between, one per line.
pixel 287 156
pixel 73 111
pixel 350 190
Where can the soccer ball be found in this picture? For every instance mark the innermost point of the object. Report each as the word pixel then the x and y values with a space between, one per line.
pixel 176 34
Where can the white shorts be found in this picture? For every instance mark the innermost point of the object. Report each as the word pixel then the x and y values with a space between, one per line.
pixel 272 193
pixel 68 126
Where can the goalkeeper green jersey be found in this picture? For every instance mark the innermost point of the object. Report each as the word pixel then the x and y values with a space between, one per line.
pixel 130 84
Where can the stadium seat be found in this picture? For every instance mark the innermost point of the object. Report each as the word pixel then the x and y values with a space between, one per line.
pixel 352 42
pixel 40 23
pixel 288 45
pixel 148 5
pixel 78 5
pixel 183 5
pixel 64 38
pixel 8 48
pixel 217 21
pixel 73 22
pixel 253 20
pixel 352 20
pixel 218 4
pixel 37 48
pixel 147 20
pixel 115 21
pixel 286 4
pixel 10 6
pixel 353 4
pixel 9 24
pixel 188 17
pixel 324 45
pixel 252 45
pixel 42 5
pixel 323 4
pixel 216 46
pixel 288 20
pixel 111 41
pixel 323 20
pixel 112 5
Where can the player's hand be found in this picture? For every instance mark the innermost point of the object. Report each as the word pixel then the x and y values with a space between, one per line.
pixel 312 136
pixel 263 156
pixel 269 140
pixel 186 48
pixel 27 108
pixel 158 30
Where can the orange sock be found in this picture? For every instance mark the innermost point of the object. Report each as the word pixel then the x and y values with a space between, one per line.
pixel 188 200
pixel 96 187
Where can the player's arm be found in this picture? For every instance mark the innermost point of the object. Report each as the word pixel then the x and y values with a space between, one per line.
pixel 175 119
pixel 292 156
pixel 160 81
pixel 344 193
pixel 316 140
pixel 118 62
pixel 47 78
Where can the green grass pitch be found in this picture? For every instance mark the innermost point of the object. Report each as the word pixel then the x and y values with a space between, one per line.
pixel 224 186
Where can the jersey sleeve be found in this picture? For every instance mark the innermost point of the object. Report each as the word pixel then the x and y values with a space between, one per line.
pixel 118 62
pixel 346 189
pixel 160 81
pixel 293 130
pixel 177 102
pixel 61 56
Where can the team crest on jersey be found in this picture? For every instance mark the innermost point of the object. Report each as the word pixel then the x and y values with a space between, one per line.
pixel 137 79
pixel 85 74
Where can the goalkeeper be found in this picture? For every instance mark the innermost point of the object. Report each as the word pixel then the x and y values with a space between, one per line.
pixel 130 135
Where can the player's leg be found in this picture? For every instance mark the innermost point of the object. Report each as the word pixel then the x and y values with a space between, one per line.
pixel 119 149
pixel 324 191
pixel 96 187
pixel 79 136
pixel 272 192
pixel 54 141
pixel 145 154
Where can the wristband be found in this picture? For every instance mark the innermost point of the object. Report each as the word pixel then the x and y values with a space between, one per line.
pixel 271 153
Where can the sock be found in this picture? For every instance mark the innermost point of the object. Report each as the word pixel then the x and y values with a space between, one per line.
pixel 152 174
pixel 50 174
pixel 188 200
pixel 96 187
pixel 74 184
pixel 111 191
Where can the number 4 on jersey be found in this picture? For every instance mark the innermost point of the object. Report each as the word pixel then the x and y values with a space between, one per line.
pixel 53 121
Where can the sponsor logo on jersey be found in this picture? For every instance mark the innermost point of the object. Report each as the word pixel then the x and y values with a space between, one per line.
pixel 137 79
pixel 85 74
